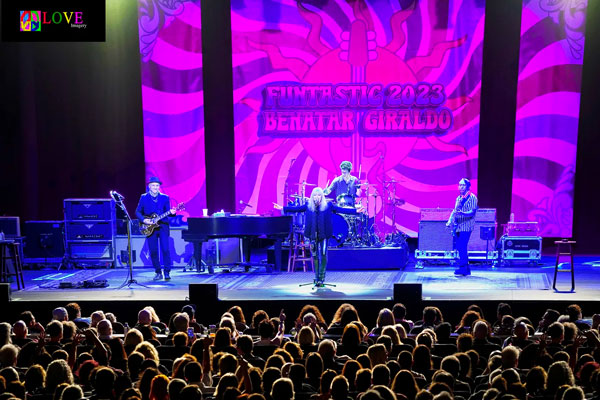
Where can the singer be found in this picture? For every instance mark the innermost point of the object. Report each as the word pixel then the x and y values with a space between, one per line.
pixel 319 228
pixel 155 202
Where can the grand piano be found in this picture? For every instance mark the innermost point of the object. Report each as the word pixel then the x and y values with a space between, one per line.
pixel 239 226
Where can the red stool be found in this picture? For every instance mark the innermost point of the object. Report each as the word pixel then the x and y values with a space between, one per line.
pixel 9 250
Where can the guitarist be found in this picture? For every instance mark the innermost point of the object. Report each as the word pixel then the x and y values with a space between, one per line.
pixel 155 202
pixel 462 221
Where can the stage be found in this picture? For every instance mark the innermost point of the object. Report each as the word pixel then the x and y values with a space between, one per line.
pixel 502 283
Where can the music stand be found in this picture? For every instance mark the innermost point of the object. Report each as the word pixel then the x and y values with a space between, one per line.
pixel 487 233
pixel 129 280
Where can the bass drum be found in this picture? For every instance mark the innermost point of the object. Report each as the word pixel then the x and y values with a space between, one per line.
pixel 340 230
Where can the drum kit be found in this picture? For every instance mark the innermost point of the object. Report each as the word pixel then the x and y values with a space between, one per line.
pixel 360 229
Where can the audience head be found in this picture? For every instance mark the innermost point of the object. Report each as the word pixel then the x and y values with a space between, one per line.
pixel 548 318
pixel 144 317
pixel 73 311
pixel 96 317
pixel 574 312
pixel 8 355
pixel 282 389
pixel 60 314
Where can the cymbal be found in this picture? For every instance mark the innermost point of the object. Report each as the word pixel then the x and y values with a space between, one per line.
pixel 296 196
pixel 305 184
pixel 396 202
pixel 395 181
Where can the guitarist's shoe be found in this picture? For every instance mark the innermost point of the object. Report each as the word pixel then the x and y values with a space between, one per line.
pixel 167 276
pixel 157 276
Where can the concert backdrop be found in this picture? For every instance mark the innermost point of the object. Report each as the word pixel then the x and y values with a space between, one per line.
pixel 394 87
pixel 173 99
pixel 548 94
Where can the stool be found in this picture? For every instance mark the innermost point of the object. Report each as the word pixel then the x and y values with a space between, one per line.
pixel 6 248
pixel 564 247
pixel 299 252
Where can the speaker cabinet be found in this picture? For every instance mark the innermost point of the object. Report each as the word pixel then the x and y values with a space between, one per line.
pixel 89 209
pixel 4 294
pixel 409 294
pixel 10 226
pixel 44 241
pixel 205 296
pixel 433 236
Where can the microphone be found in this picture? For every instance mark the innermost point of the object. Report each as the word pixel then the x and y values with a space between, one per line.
pixel 242 202
pixel 116 195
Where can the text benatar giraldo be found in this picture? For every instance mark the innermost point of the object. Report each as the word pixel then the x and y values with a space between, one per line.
pixel 344 108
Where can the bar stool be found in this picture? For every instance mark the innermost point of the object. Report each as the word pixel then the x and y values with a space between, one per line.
pixel 564 247
pixel 299 252
pixel 9 250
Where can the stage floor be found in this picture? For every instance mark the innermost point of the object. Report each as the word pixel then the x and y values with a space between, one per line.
pixel 506 283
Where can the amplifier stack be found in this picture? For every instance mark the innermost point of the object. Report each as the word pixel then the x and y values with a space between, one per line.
pixel 90 226
pixel 435 240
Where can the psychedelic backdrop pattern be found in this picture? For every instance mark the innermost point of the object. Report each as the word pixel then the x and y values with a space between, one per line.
pixel 173 98
pixel 548 95
pixel 357 44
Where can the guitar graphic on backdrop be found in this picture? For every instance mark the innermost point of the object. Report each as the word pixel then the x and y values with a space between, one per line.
pixel 148 229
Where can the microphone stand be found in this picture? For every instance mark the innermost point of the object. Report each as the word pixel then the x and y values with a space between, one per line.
pixel 129 280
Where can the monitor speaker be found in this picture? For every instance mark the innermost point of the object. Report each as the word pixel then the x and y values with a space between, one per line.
pixel 487 232
pixel 4 294
pixel 408 293
pixel 203 294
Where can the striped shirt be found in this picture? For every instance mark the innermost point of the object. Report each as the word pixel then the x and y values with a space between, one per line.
pixel 465 223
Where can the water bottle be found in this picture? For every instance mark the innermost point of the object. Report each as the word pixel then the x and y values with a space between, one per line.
pixel 2 235
pixel 512 217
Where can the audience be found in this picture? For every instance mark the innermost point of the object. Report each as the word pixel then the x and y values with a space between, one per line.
pixel 77 357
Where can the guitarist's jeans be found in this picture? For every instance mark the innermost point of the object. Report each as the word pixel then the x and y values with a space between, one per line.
pixel 461 240
pixel 160 235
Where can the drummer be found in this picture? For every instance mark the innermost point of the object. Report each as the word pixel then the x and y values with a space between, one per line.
pixel 345 187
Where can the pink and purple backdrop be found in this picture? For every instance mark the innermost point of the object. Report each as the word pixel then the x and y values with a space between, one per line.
pixel 173 98
pixel 301 43
pixel 548 94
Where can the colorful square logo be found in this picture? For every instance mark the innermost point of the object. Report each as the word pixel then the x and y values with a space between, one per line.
pixel 30 21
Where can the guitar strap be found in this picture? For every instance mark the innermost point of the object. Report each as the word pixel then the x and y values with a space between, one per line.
pixel 464 199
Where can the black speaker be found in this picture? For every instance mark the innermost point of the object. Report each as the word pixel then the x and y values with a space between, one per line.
pixel 44 240
pixel 408 293
pixel 4 295
pixel 203 294
pixel 10 226
pixel 487 232
pixel 89 209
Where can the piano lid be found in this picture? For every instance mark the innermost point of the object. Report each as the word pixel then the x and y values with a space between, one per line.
pixel 234 226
